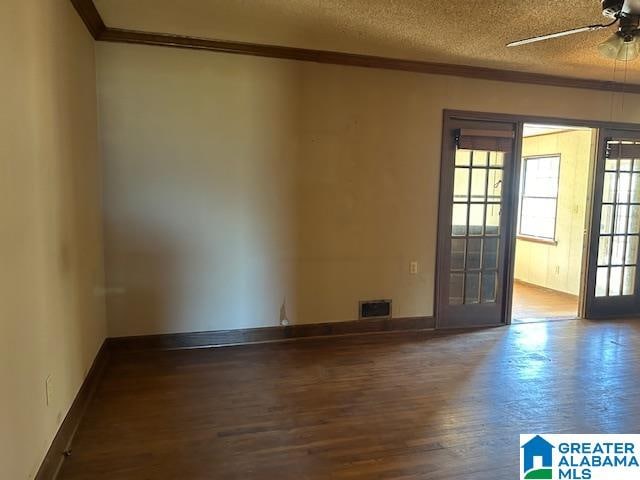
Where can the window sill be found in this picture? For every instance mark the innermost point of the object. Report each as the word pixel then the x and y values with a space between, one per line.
pixel 527 238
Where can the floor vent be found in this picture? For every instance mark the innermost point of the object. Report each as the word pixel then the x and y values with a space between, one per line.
pixel 375 309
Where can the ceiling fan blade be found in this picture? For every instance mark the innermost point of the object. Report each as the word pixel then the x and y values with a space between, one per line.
pixel 588 28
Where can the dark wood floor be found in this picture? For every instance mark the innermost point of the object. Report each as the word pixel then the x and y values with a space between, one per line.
pixel 393 406
pixel 532 303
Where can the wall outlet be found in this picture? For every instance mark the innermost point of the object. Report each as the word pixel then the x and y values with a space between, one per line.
pixel 48 390
pixel 413 268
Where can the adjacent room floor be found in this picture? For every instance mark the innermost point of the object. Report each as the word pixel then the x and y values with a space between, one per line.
pixel 533 304
pixel 392 406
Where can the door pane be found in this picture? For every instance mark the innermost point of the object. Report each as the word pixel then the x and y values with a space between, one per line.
pixel 632 250
pixel 476 228
pixel 622 215
pixel 458 253
pixel 456 284
pixel 463 157
pixel 492 224
pixel 496 159
pixel 476 218
pixel 474 254
pixel 478 184
pixel 472 288
pixel 480 158
pixel 624 184
pixel 635 188
pixel 459 219
pixel 617 251
pixel 494 185
pixel 604 250
pixel 608 193
pixel 490 253
pixel 602 279
pixel 629 281
pixel 489 280
pixel 634 219
pixel 606 219
pixel 615 281
pixel 461 185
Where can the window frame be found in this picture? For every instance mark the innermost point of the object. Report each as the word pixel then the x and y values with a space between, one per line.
pixel 522 196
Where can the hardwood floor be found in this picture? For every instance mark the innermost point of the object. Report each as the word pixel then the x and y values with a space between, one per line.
pixel 391 406
pixel 533 303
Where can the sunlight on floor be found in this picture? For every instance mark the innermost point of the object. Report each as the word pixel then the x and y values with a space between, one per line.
pixel 533 304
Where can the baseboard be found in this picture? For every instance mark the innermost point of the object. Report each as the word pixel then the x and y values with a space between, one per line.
pixel 61 443
pixel 551 290
pixel 267 334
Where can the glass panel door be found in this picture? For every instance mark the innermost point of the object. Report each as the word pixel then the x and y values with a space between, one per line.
pixel 472 232
pixel 475 226
pixel 612 283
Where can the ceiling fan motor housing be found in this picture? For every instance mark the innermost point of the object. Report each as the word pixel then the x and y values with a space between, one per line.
pixel 612 8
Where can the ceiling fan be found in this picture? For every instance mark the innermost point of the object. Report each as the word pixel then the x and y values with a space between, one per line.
pixel 623 45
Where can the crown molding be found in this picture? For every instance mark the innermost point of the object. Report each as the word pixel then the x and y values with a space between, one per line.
pixel 91 17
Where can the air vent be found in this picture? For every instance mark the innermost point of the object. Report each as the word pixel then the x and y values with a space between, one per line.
pixel 375 309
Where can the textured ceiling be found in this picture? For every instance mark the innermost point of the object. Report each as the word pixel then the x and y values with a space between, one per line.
pixel 452 31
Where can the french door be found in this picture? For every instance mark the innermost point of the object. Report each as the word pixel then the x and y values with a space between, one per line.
pixel 612 274
pixel 474 235
pixel 477 215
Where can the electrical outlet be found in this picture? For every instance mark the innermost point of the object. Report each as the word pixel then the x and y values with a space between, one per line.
pixel 48 390
pixel 413 268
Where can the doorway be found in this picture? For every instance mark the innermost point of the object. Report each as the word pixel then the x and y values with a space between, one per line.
pixel 538 216
pixel 552 221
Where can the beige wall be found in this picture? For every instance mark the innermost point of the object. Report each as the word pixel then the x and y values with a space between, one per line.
pixel 558 266
pixel 235 183
pixel 50 229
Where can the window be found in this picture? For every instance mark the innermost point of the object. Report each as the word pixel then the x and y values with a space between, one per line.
pixel 539 196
